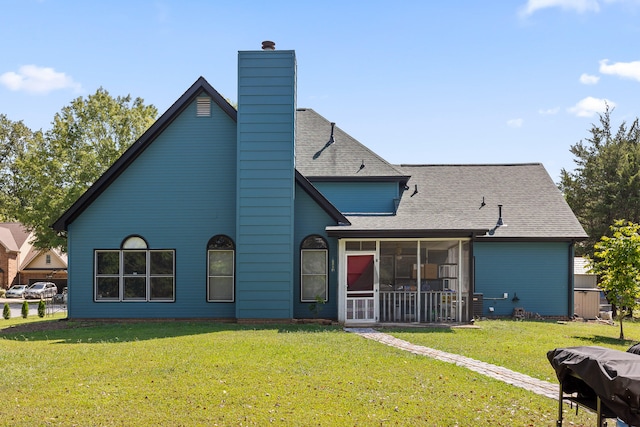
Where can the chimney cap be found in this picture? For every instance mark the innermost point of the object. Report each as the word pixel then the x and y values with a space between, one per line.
pixel 268 45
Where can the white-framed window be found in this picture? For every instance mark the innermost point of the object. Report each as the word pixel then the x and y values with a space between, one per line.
pixel 220 269
pixel 134 273
pixel 47 259
pixel 314 256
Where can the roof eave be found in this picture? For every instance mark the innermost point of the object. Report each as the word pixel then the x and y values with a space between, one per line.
pixel 336 178
pixel 348 232
pixel 532 239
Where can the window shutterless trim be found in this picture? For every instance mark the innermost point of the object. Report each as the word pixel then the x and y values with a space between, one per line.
pixel 221 243
pixel 121 276
pixel 232 276
pixel 314 243
pixel 323 275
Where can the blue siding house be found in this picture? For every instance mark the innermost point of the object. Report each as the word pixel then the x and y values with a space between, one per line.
pixel 273 212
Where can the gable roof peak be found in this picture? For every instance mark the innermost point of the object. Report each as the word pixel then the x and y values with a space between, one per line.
pixel 199 86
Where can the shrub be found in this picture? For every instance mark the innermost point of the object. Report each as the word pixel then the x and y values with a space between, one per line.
pixel 41 308
pixel 25 310
pixel 6 312
pixel 316 307
pixel 3 292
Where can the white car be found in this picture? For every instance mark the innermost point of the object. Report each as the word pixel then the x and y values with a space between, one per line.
pixel 16 291
pixel 40 290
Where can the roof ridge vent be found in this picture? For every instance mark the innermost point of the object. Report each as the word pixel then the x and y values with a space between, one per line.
pixel 268 45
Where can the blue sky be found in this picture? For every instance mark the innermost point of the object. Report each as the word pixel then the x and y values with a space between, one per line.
pixel 418 82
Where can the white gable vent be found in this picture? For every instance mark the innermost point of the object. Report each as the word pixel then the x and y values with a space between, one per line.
pixel 203 108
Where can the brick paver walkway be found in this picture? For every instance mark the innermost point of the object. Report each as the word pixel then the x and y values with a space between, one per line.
pixel 517 379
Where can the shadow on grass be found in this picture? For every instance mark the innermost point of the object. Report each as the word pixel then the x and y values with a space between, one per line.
pixel 96 332
pixel 418 330
pixel 600 339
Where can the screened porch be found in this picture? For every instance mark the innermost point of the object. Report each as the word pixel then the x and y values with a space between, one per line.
pixel 423 281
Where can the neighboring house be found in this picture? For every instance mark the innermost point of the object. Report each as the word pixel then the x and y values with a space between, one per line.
pixel 583 277
pixel 21 263
pixel 262 212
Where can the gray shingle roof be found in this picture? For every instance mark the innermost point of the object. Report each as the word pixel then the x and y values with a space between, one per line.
pixel 317 160
pixel 449 198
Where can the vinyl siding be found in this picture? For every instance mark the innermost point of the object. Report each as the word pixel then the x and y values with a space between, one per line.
pixel 178 194
pixel 265 185
pixel 537 272
pixel 311 219
pixel 361 197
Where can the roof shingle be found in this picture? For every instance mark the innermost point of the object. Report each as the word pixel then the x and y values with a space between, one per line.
pixel 450 198
pixel 316 159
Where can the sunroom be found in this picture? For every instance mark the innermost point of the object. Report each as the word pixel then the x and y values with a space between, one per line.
pixel 404 280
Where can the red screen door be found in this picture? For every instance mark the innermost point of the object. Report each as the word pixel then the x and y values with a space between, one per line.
pixel 361 289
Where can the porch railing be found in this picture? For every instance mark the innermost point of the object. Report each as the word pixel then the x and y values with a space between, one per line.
pixel 427 307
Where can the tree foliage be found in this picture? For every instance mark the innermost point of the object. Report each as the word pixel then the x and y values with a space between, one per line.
pixel 42 308
pixel 14 139
pixel 56 168
pixel 606 182
pixel 617 263
pixel 24 310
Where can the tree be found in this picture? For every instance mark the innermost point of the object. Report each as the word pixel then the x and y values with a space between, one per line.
pixel 42 308
pixel 617 263
pixel 25 310
pixel 14 138
pixel 606 182
pixel 86 137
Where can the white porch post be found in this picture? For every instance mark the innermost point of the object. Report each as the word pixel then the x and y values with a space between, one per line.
pixel 460 282
pixel 418 281
pixel 342 285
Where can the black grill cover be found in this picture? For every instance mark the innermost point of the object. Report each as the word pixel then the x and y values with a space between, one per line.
pixel 612 375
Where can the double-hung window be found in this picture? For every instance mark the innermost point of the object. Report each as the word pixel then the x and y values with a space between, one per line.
pixel 220 269
pixel 313 269
pixel 134 273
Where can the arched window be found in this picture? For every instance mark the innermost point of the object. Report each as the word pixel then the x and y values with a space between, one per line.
pixel 220 269
pixel 314 254
pixel 134 273
pixel 134 242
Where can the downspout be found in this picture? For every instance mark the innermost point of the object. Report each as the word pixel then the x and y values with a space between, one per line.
pixel 570 281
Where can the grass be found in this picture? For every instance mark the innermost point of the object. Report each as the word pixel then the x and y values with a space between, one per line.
pixel 521 346
pixel 207 374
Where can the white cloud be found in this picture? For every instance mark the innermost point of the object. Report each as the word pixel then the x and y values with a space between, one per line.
pixel 589 106
pixel 579 6
pixel 629 70
pixel 515 123
pixel 588 79
pixel 38 80
pixel 549 111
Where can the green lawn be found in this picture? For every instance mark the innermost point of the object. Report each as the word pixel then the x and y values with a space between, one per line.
pixel 207 374
pixel 521 346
